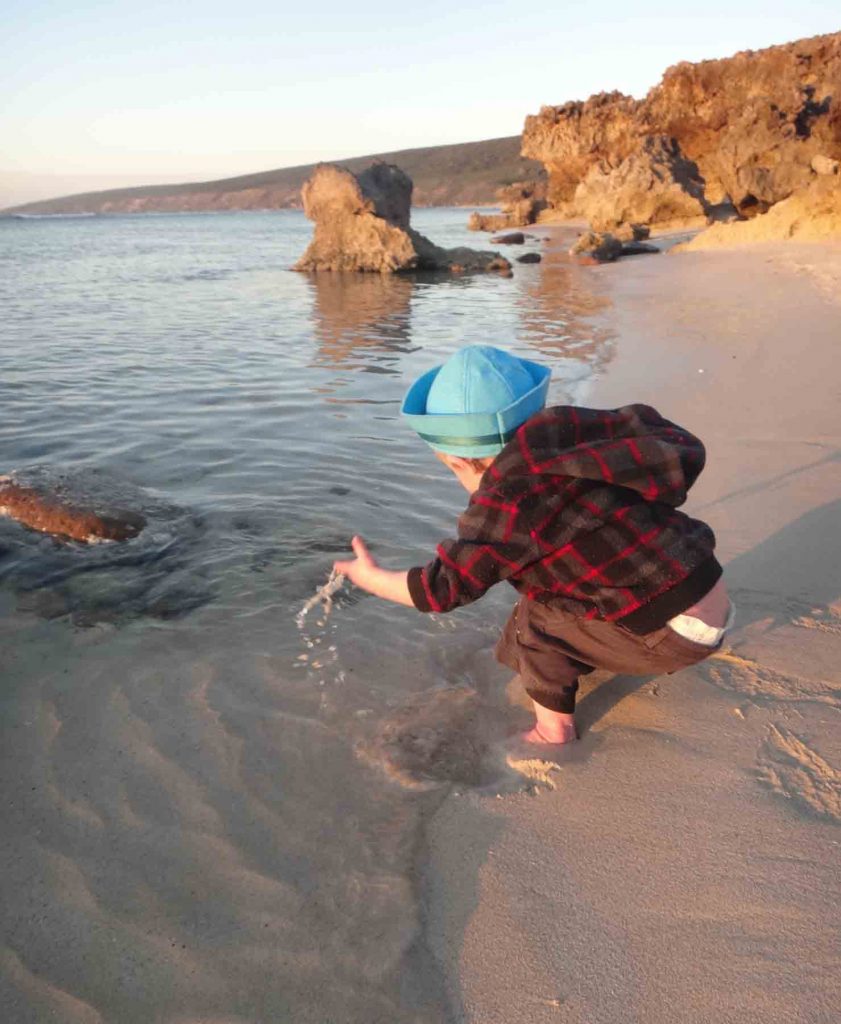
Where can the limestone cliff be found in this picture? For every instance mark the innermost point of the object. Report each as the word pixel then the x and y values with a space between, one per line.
pixel 742 130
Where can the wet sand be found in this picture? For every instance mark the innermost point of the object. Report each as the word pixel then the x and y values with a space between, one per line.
pixel 684 863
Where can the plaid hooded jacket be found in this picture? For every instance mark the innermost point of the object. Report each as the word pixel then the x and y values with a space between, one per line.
pixel 580 511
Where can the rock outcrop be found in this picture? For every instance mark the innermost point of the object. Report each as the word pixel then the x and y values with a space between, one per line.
pixel 811 214
pixel 56 512
pixel 512 238
pixel 593 248
pixel 655 184
pixel 520 204
pixel 362 224
pixel 744 130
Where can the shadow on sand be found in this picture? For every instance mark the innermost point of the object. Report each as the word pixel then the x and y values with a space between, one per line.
pixel 796 569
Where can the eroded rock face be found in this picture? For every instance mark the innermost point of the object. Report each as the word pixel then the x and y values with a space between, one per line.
pixel 572 138
pixel 654 185
pixel 751 124
pixel 362 224
pixel 57 512
pixel 811 214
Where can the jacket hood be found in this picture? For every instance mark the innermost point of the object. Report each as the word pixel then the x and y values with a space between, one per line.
pixel 632 447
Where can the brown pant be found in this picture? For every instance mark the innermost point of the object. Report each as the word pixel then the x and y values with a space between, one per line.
pixel 551 649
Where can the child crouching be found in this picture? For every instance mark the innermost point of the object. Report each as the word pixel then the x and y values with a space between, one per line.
pixel 579 510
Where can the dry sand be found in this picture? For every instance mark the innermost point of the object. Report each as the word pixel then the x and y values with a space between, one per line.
pixel 686 866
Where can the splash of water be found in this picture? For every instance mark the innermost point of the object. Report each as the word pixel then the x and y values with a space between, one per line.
pixel 323 596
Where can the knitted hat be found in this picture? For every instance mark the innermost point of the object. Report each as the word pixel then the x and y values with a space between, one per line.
pixel 472 405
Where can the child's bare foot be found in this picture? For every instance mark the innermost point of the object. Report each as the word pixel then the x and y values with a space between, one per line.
pixel 551 727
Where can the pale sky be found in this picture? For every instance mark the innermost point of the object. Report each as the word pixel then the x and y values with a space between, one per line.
pixel 105 94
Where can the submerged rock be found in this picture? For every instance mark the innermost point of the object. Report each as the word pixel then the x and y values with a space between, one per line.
pixel 362 224
pixel 150 568
pixel 50 505
pixel 530 257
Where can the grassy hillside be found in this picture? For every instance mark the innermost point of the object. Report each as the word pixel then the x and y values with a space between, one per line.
pixel 465 174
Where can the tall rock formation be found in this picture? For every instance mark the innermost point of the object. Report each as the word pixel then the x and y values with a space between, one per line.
pixel 362 223
pixel 743 130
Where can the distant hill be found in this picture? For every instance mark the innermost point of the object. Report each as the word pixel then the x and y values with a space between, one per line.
pixel 460 175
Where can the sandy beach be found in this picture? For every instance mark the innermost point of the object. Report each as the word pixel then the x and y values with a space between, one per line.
pixel 212 816
pixel 683 863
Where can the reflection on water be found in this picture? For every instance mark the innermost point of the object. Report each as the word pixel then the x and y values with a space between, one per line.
pixel 190 756
pixel 576 343
pixel 361 320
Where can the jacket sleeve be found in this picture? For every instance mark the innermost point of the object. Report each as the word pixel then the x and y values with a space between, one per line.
pixel 491 546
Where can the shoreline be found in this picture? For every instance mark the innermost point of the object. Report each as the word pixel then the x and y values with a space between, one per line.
pixel 683 866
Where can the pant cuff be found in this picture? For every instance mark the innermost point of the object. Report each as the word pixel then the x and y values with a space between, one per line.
pixel 563 702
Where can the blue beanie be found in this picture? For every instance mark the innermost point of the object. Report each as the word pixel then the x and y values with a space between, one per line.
pixel 472 405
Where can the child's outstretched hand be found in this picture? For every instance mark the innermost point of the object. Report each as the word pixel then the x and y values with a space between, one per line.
pixel 359 570
pixel 365 572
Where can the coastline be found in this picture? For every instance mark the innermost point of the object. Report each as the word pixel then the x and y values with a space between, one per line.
pixel 684 865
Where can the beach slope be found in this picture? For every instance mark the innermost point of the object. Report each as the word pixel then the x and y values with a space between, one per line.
pixel 686 865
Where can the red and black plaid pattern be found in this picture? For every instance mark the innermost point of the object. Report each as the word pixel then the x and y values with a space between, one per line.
pixel 579 510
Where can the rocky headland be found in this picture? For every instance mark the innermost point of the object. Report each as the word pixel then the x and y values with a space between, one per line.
pixel 362 224
pixel 718 140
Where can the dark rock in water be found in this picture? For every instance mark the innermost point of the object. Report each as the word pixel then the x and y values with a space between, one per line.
pixel 593 247
pixel 47 506
pixel 530 257
pixel 512 238
pixel 151 573
pixel 362 224
pixel 638 248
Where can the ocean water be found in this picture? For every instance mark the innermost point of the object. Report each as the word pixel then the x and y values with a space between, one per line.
pixel 209 813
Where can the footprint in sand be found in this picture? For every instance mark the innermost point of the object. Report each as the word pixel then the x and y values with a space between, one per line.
pixel 793 770
pixel 821 621
pixel 750 679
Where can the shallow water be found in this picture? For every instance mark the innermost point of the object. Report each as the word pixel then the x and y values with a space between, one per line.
pixel 199 822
